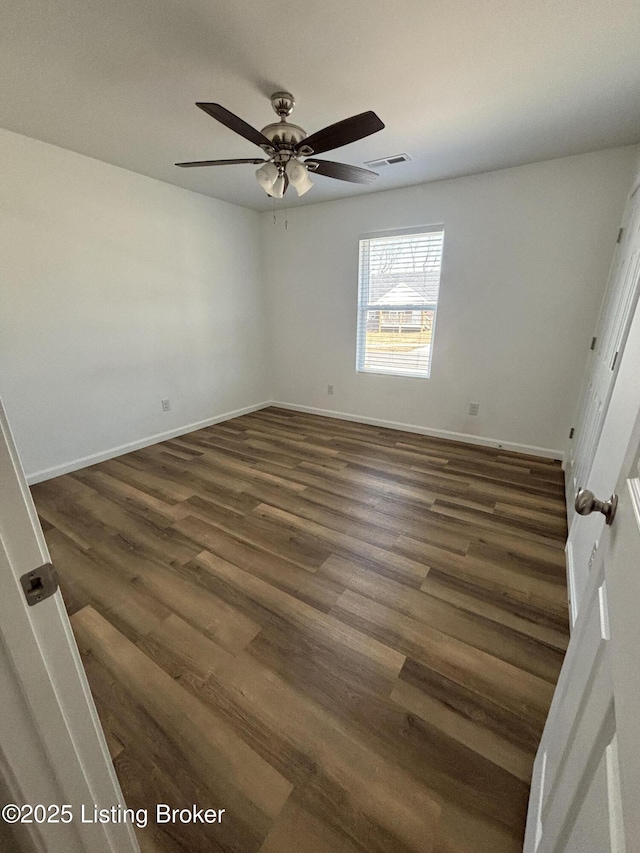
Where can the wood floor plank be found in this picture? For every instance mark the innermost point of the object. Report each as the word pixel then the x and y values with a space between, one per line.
pixel 511 757
pixel 243 468
pixel 435 682
pixel 212 616
pixel 202 502
pixel 304 478
pixel 334 773
pixel 149 768
pixel 495 638
pixel 248 424
pixel 439 586
pixel 111 595
pixel 180 648
pixel 309 449
pixel 515 690
pixel 535 564
pixel 323 429
pixel 435 481
pixel 297 829
pixel 73 519
pixel 365 528
pixel 462 831
pixel 362 705
pixel 523 592
pixel 305 550
pixel 149 843
pixel 66 486
pixel 248 784
pixel 344 543
pixel 131 498
pixel 198 474
pixel 507 474
pixel 237 448
pixel 102 518
pixel 381 485
pixel 538 519
pixel 527 527
pixel 277 570
pixel 268 600
pixel 394 454
pixel 516 496
pixel 142 478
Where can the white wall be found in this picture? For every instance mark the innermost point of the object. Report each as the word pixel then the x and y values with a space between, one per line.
pixel 526 257
pixel 117 291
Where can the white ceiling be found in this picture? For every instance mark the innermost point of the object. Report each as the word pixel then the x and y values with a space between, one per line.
pixel 463 86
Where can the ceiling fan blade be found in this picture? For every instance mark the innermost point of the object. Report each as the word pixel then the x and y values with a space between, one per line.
pixel 234 123
pixel 217 163
pixel 342 133
pixel 341 171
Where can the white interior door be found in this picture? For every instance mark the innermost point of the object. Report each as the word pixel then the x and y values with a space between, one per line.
pixel 586 779
pixel 52 749
pixel 611 331
pixel 584 533
pixel 594 458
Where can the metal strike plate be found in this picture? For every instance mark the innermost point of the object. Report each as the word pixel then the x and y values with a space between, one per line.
pixel 39 584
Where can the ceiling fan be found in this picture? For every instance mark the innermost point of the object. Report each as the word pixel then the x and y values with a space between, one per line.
pixel 285 144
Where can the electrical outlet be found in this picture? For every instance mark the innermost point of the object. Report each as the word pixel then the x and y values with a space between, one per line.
pixel 329 389
pixel 166 405
pixel 474 408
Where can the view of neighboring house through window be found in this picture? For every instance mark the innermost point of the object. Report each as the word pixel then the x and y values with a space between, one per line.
pixel 398 289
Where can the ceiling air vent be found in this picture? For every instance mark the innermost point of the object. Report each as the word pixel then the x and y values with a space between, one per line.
pixel 388 161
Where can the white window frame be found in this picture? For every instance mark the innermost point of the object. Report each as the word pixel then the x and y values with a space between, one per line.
pixel 364 307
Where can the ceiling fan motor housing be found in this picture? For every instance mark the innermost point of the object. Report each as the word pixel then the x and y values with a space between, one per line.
pixel 281 133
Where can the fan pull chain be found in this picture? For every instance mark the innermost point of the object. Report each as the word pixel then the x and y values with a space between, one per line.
pixel 276 210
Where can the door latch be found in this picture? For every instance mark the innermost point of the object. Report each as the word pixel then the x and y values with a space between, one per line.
pixel 39 584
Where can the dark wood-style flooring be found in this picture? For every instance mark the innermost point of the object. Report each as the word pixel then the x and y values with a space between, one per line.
pixel 345 636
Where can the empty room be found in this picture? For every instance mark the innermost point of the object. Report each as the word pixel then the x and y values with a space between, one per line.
pixel 319 427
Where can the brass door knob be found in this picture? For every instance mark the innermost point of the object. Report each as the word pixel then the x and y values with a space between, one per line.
pixel 586 503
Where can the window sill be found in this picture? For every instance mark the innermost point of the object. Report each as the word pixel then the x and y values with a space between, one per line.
pixel 393 373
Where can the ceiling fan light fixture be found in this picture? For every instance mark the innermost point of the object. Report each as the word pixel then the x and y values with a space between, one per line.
pixel 298 175
pixel 277 190
pixel 267 176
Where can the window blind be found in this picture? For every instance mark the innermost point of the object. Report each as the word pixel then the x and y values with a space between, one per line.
pixel 399 281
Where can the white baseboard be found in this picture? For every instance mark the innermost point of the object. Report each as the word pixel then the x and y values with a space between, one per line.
pixel 468 438
pixel 93 459
pixel 85 461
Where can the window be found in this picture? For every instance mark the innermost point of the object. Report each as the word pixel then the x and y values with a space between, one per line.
pixel 398 288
